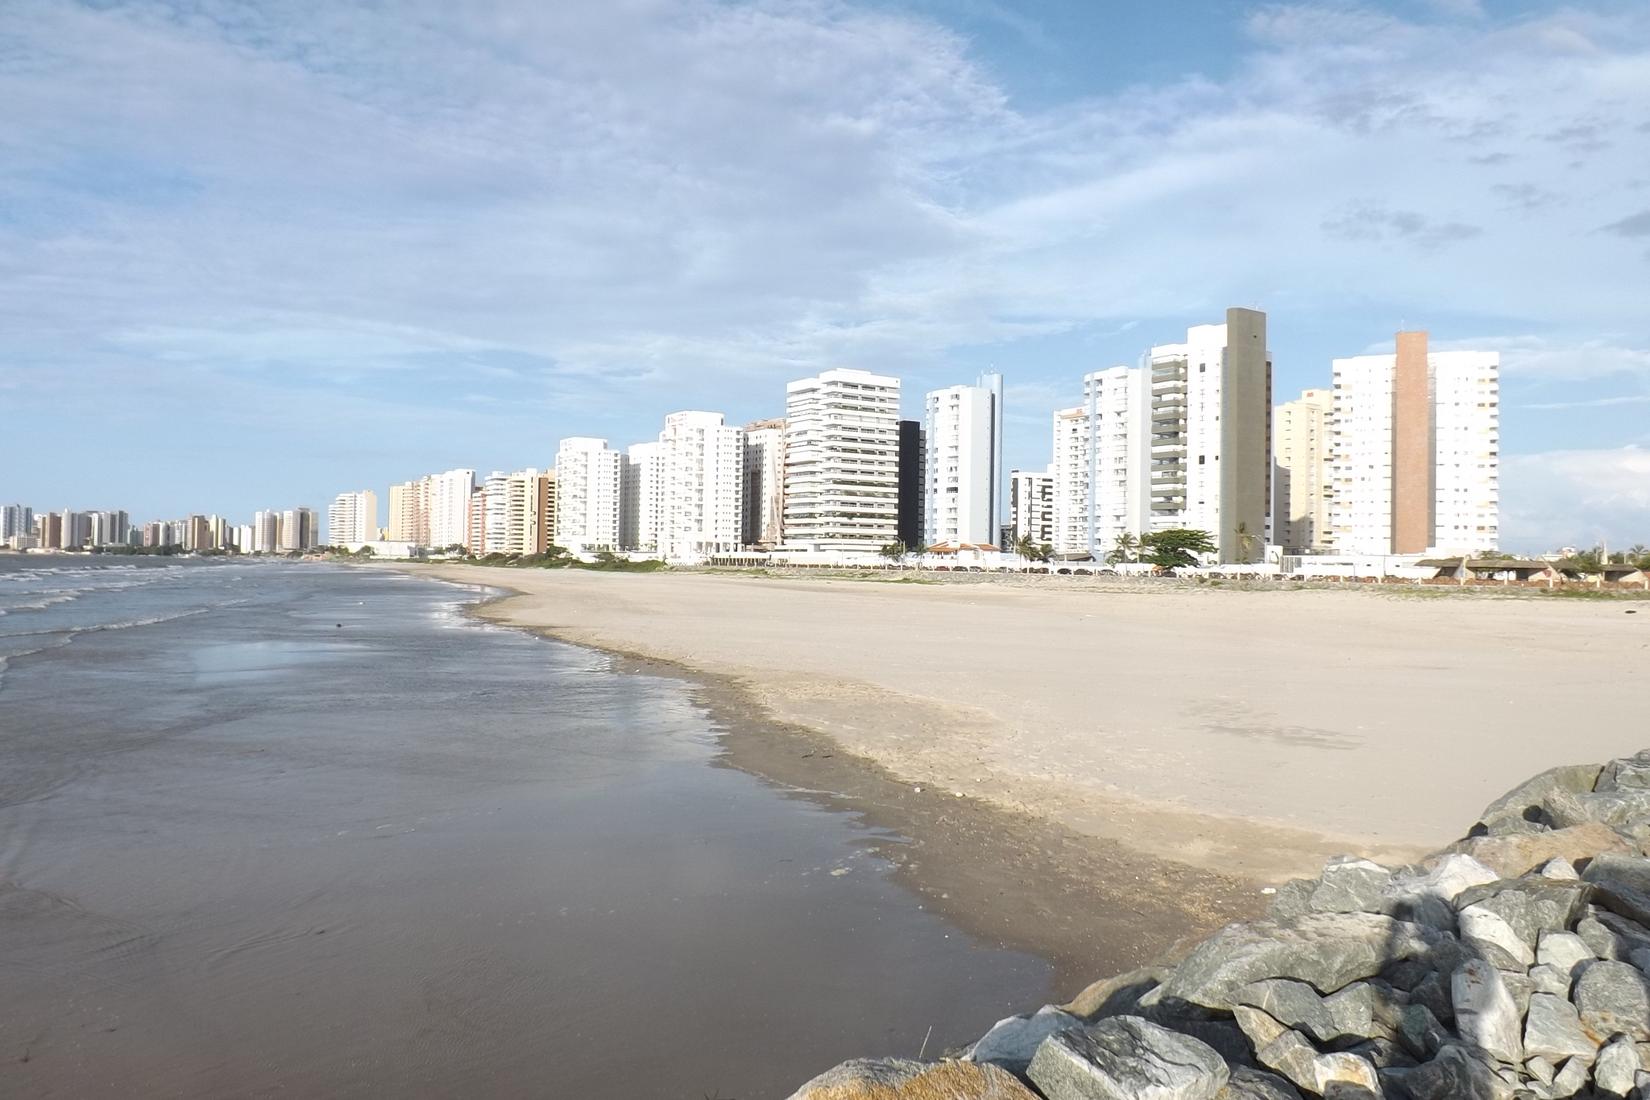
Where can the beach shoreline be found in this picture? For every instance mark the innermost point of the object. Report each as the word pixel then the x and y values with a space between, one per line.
pixel 816 696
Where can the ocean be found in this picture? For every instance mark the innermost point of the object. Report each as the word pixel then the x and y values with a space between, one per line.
pixel 305 830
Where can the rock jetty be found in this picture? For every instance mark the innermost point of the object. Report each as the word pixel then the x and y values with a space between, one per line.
pixel 1512 965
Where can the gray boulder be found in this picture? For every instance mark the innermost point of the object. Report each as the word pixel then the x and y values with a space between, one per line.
pixel 1622 885
pixel 1490 934
pixel 1616 1071
pixel 1613 998
pixel 1350 885
pixel 1126 1058
pixel 1011 1043
pixel 1325 950
pixel 1344 1069
pixel 1563 951
pixel 1560 869
pixel 1292 1004
pixel 1456 1074
pixel 1627 772
pixel 1520 808
pixel 1291 1055
pixel 1549 979
pixel 1571 1078
pixel 1421 1033
pixel 902 1079
pixel 1485 1014
pixel 1517 854
pixel 1255 1084
pixel 1293 899
pixel 1552 1030
pixel 1530 906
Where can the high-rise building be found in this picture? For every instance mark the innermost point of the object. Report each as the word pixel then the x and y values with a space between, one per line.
pixel 1415 444
pixel 763 491
pixel 641 497
pixel 842 461
pixel 353 518
pixel 1300 475
pixel 588 480
pixel 197 534
pixel 410 512
pixel 297 530
pixel 77 529
pixel 266 532
pixel 16 519
pixel 1069 472
pixel 449 507
pixel 1211 434
pixel 1031 506
pixel 48 530
pixel 530 494
pixel 243 538
pixel 495 513
pixel 702 462
pixel 111 528
pixel 476 528
pixel 964 463
pixel 1118 411
pixel 913 485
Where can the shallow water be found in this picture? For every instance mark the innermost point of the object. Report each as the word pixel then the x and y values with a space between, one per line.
pixel 308 830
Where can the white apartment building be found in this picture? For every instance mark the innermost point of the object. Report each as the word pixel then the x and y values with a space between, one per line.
pixel 842 461
pixel 266 532
pixel 1031 505
pixel 702 463
pixel 1414 458
pixel 353 518
pixel 964 463
pixel 762 500
pixel 245 540
pixel 1069 472
pixel 588 480
pixel 495 514
pixel 1118 409
pixel 449 507
pixel 1300 475
pixel 641 494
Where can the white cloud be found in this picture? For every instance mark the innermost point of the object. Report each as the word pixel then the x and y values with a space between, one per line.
pixel 1528 357
pixel 1576 498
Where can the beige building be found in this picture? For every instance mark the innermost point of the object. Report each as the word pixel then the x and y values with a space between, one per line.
pixel 763 488
pixel 1300 452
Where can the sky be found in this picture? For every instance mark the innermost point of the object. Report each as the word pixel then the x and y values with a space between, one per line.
pixel 256 254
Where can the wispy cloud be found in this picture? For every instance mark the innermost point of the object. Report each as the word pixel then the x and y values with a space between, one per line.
pixel 1634 225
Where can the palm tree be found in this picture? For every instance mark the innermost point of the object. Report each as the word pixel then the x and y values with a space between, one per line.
pixel 1126 547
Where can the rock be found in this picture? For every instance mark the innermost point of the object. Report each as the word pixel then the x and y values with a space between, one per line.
pixel 1325 950
pixel 1344 1068
pixel 1115 996
pixel 1514 855
pixel 1571 1079
pixel 1433 991
pixel 1293 1057
pixel 1613 998
pixel 1618 808
pixel 1622 884
pixel 1604 940
pixel 1561 870
pixel 1560 810
pixel 1563 951
pixel 1493 937
pixel 1541 1069
pixel 1617 1068
pixel 1456 1074
pixel 1421 1033
pixel 1640 959
pixel 1383 1054
pixel 1346 1090
pixel 1012 1042
pixel 1255 1084
pixel 1352 1011
pixel 902 1079
pixel 1292 1004
pixel 1428 898
pixel 1126 1058
pixel 1293 899
pixel 1350 885
pixel 1549 979
pixel 1485 1014
pixel 1627 772
pixel 1553 1030
pixel 1259 1026
pixel 1521 806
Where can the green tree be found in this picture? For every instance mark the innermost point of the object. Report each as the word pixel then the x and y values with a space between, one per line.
pixel 1176 547
pixel 894 551
pixel 1125 549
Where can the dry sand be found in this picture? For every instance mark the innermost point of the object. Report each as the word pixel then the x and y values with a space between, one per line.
pixel 1249 733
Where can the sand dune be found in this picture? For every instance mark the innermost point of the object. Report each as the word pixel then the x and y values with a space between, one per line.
pixel 1247 732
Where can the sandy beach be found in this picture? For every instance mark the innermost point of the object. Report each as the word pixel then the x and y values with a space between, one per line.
pixel 1248 733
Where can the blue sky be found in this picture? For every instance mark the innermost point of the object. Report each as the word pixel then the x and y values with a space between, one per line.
pixel 254 254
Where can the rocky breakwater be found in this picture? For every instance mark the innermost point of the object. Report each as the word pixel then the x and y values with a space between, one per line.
pixel 1513 964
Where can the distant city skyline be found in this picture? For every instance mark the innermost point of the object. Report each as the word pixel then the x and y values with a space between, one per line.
pixel 246 260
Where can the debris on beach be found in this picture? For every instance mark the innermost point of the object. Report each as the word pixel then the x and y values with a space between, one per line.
pixel 1512 965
